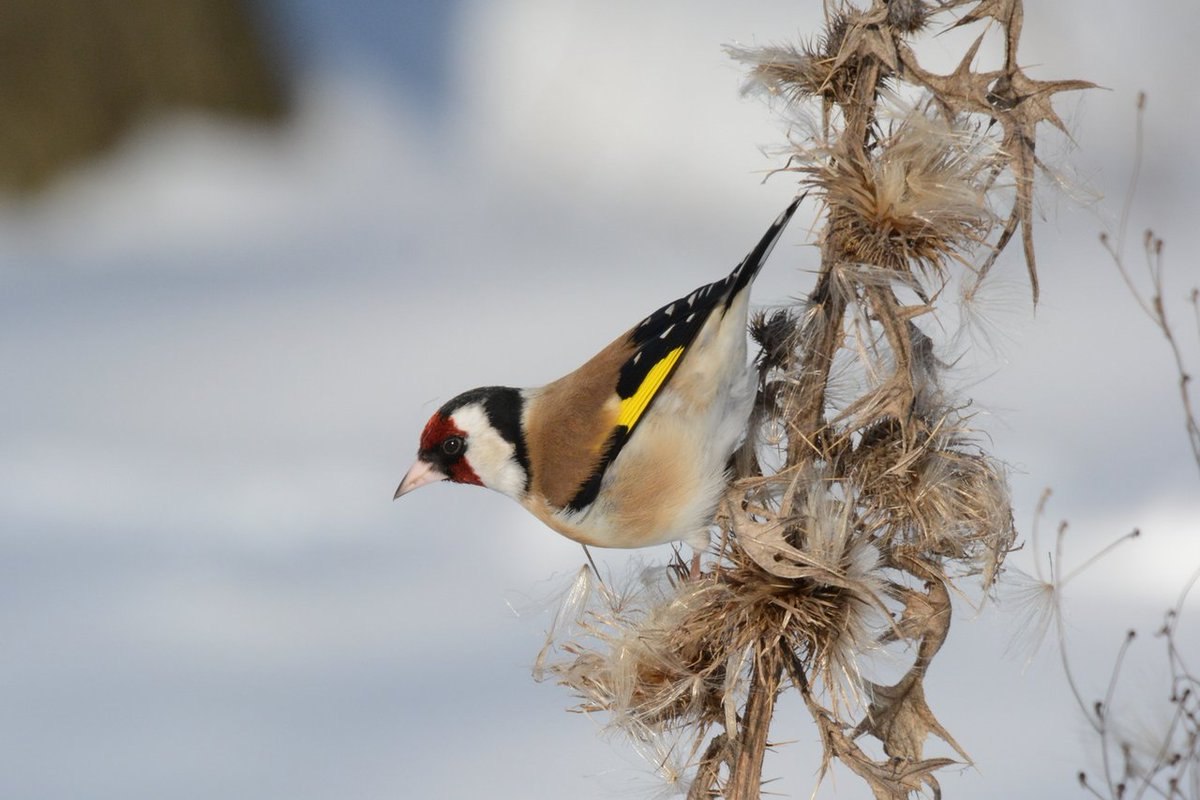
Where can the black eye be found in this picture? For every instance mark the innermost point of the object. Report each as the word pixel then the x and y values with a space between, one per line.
pixel 452 446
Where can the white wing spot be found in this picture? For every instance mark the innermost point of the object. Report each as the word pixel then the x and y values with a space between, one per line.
pixel 691 298
pixel 691 317
pixel 667 331
pixel 669 310
pixel 637 356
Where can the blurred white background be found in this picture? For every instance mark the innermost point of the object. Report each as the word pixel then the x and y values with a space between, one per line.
pixel 219 343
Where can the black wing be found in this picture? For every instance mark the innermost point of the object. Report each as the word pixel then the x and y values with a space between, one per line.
pixel 661 342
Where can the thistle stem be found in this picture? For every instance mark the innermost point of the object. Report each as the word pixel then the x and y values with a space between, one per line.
pixel 745 771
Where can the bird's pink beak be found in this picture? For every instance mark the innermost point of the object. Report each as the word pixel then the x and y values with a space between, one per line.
pixel 421 473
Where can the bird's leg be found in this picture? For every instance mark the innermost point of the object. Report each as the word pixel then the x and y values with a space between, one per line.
pixel 694 570
pixel 595 569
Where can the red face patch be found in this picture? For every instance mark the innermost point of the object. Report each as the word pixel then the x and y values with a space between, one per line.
pixel 438 430
pixel 461 472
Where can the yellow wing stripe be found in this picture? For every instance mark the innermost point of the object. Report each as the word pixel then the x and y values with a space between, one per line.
pixel 633 407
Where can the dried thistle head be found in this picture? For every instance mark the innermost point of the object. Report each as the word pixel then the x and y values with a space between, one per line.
pixel 917 200
pixel 670 655
pixel 923 486
pixel 907 16
pixel 634 653
pixel 775 335
pixel 788 71
pixel 820 68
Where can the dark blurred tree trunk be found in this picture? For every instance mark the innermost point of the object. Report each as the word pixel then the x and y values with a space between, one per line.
pixel 76 74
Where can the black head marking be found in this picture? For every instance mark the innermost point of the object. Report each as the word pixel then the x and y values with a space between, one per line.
pixel 503 406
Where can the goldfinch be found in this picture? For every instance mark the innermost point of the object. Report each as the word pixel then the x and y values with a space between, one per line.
pixel 629 450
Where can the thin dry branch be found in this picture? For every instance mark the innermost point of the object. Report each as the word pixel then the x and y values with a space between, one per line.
pixel 1168 766
pixel 1152 301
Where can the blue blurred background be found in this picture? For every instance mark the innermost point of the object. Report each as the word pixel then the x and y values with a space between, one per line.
pixel 220 337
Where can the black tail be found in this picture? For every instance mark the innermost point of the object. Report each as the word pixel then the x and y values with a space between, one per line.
pixel 746 271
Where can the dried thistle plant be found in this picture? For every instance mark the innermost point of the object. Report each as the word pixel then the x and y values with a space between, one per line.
pixel 853 514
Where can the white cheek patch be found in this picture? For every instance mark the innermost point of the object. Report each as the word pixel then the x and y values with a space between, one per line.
pixel 491 456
